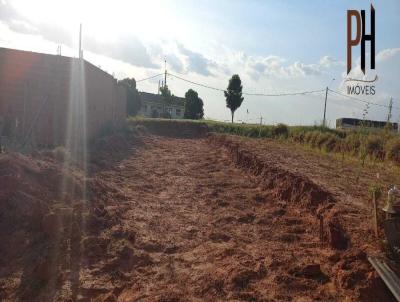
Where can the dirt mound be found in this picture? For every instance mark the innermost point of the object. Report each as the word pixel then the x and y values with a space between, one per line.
pixel 52 220
pixel 172 128
pixel 289 186
pixel 354 275
pixel 284 185
pixel 110 150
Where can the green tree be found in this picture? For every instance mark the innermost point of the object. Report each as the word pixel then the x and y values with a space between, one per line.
pixel 167 98
pixel 193 105
pixel 133 101
pixel 166 94
pixel 233 94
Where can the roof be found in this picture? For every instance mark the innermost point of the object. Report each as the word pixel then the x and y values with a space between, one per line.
pixel 18 57
pixel 157 98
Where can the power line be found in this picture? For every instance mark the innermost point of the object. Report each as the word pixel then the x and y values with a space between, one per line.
pixel 270 95
pixel 141 80
pixel 285 94
pixel 249 94
pixel 198 84
pixel 360 100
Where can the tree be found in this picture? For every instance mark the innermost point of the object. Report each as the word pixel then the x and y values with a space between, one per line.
pixel 133 101
pixel 167 98
pixel 233 94
pixel 166 94
pixel 193 105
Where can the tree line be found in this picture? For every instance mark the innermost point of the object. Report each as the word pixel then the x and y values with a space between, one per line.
pixel 193 103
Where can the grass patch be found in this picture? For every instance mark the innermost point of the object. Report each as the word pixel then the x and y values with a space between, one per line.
pixel 377 145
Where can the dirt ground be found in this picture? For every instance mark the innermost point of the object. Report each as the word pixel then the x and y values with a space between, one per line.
pixel 171 219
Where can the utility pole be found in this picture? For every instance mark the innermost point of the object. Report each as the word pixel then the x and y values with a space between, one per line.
pixel 165 74
pixel 80 42
pixel 390 110
pixel 326 98
pixel 260 120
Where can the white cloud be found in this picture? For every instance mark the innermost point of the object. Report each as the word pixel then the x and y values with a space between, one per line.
pixel 328 61
pixel 387 54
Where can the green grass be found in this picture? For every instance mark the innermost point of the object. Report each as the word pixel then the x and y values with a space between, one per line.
pixel 377 145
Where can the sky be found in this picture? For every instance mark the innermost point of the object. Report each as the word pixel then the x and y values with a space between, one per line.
pixel 275 47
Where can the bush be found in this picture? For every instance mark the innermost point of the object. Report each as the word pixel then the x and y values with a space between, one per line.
pixel 298 137
pixel 312 138
pixel 392 150
pixel 280 130
pixel 352 143
pixel 374 146
pixel 331 143
pixel 320 140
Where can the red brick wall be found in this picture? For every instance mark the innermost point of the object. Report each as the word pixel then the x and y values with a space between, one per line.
pixel 35 94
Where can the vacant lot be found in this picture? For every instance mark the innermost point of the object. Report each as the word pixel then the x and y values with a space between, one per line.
pixel 181 219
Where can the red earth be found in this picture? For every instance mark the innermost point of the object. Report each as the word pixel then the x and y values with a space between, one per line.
pixel 215 218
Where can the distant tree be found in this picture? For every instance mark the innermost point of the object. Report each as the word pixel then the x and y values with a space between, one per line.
pixel 165 92
pixel 193 105
pixel 134 103
pixel 167 98
pixel 233 94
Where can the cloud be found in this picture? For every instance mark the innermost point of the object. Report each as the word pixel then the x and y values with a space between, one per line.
pixel 128 48
pixel 387 54
pixel 328 61
pixel 276 67
pixel 196 62
pixel 300 69
pixel 175 63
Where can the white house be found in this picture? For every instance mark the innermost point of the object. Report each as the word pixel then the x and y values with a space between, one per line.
pixel 153 106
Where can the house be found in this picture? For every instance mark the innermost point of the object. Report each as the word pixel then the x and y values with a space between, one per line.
pixel 353 123
pixel 44 98
pixel 153 106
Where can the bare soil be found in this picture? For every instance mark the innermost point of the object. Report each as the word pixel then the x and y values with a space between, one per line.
pixel 179 219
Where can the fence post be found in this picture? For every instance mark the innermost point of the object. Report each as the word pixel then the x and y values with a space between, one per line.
pixel 375 213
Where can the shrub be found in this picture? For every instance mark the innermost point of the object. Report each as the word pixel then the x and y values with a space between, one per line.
pixel 280 130
pixel 253 132
pixel 313 138
pixel 352 143
pixel 265 132
pixel 392 150
pixel 331 143
pixel 320 140
pixel 374 146
pixel 309 137
pixel 298 137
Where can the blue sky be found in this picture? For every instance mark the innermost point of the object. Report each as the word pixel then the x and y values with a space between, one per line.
pixel 275 46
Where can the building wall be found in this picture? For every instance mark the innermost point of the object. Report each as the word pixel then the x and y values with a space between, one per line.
pixel 148 107
pixel 37 92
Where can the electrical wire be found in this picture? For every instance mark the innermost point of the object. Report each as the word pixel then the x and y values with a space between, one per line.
pixel 249 94
pixel 157 75
pixel 270 94
pixel 198 84
pixel 360 100
pixel 286 94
